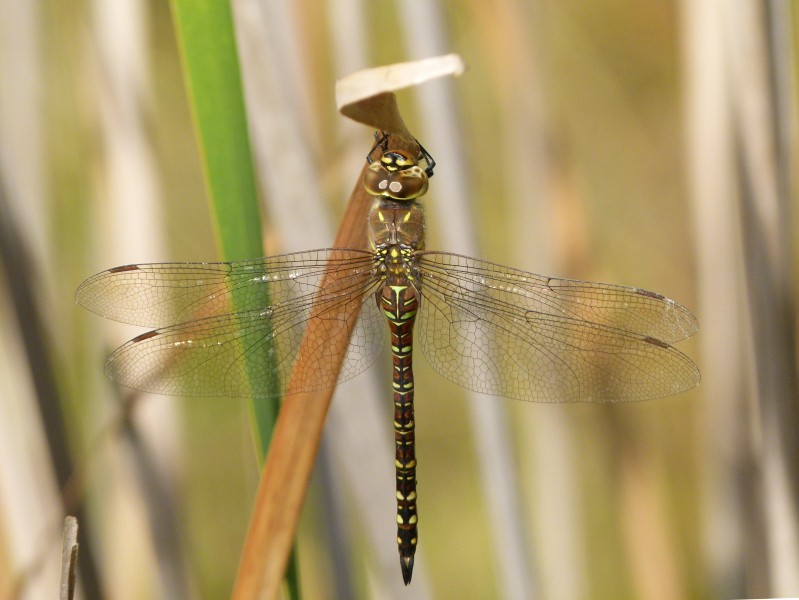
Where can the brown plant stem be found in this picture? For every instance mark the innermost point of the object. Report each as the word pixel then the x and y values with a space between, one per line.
pixel 296 438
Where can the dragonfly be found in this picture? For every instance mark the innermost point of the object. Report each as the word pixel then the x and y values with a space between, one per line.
pixel 487 327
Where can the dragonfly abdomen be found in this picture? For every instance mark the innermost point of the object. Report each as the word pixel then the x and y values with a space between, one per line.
pixel 400 305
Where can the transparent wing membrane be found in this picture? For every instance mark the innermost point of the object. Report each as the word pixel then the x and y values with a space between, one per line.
pixel 484 326
pixel 159 295
pixel 502 331
pixel 229 312
pixel 627 308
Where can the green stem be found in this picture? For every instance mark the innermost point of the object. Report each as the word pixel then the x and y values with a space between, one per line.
pixel 207 43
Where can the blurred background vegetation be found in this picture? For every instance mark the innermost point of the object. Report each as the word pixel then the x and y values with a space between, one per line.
pixel 641 143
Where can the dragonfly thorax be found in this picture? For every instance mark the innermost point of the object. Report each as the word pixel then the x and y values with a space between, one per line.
pixel 393 223
pixel 396 264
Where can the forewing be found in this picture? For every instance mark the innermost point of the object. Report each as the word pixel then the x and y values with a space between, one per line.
pixel 631 309
pixel 506 332
pixel 159 295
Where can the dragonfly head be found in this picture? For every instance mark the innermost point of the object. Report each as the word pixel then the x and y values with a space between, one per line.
pixel 397 160
pixel 396 175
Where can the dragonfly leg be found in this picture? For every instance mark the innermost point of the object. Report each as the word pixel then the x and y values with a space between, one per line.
pixel 381 141
pixel 431 163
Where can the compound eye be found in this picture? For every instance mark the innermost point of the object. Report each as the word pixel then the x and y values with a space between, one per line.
pixel 376 179
pixel 407 184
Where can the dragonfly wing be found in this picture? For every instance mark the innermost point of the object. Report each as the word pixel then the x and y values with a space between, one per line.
pixel 368 339
pixel 255 352
pixel 501 331
pixel 159 295
pixel 631 309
